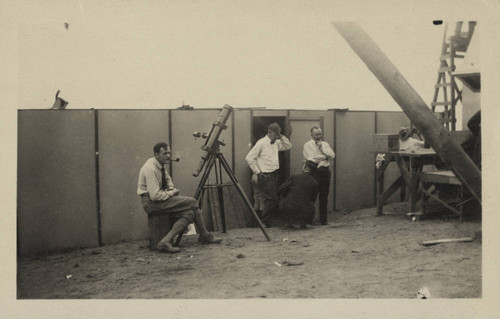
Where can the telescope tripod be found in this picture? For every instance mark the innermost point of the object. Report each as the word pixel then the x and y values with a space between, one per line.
pixel 217 156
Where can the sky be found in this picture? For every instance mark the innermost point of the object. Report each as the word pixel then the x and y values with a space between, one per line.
pixel 163 54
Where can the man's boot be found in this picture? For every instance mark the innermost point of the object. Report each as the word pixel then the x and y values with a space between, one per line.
pixel 205 237
pixel 166 243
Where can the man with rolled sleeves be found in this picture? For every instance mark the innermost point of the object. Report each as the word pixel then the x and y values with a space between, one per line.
pixel 318 151
pixel 263 160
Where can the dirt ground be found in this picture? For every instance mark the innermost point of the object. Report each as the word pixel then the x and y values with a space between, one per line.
pixel 358 256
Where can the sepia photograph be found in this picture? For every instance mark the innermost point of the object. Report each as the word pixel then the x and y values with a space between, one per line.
pixel 291 157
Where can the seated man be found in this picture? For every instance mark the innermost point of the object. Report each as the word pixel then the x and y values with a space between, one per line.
pixel 299 193
pixel 158 193
pixel 406 140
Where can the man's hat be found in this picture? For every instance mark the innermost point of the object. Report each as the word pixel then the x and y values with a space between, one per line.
pixel 274 127
pixel 311 164
pixel 404 132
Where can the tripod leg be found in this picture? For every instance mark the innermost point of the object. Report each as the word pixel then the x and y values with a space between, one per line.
pixel 199 191
pixel 220 193
pixel 242 193
pixel 204 177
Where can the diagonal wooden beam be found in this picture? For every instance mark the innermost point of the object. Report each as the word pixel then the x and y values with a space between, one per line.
pixel 412 104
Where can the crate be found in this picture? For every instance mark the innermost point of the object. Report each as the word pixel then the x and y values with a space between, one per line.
pixel 385 142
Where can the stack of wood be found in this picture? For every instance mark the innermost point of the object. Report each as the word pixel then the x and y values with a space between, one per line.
pixel 235 212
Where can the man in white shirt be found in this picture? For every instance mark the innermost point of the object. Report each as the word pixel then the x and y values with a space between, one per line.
pixel 158 194
pixel 263 160
pixel 319 152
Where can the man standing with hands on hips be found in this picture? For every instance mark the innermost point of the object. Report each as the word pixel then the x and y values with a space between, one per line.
pixel 319 152
pixel 263 160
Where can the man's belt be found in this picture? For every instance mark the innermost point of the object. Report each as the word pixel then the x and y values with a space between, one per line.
pixel 270 173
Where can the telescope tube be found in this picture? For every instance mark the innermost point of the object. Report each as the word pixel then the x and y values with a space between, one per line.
pixel 212 142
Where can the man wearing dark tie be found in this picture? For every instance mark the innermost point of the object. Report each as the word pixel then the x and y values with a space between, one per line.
pixel 319 152
pixel 158 193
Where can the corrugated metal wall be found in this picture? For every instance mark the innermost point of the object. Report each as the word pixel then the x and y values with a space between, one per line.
pixel 242 145
pixel 126 140
pixel 56 198
pixel 57 168
pixel 354 160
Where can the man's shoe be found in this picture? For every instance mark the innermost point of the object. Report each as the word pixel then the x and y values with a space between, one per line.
pixel 209 239
pixel 168 247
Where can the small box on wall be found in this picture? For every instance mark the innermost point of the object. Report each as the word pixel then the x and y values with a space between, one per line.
pixel 385 142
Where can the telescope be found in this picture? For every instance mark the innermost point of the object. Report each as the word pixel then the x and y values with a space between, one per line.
pixel 212 142
pixel 211 155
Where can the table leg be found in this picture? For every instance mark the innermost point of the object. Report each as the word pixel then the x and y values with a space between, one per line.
pixel 380 191
pixel 379 174
pixel 414 180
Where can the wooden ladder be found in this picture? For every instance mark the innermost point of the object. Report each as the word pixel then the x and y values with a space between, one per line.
pixel 457 43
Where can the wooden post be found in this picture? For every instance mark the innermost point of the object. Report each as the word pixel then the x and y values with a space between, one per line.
pixel 159 225
pixel 413 105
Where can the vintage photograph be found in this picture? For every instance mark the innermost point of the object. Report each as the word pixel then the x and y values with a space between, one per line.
pixel 196 150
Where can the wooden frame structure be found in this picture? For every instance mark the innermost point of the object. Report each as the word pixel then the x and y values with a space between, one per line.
pixel 412 104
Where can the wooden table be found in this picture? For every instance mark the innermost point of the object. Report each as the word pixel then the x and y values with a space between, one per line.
pixel 410 165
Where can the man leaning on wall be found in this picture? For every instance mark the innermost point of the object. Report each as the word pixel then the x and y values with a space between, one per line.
pixel 158 193
pixel 318 151
pixel 263 160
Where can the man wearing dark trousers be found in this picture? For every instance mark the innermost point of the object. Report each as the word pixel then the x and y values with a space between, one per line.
pixel 318 151
pixel 157 191
pixel 263 160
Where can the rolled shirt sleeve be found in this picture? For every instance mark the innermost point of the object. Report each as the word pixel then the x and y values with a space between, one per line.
pixel 312 152
pixel 252 156
pixel 327 150
pixel 284 143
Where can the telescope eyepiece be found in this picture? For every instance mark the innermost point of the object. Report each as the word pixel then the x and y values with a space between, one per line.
pixel 200 134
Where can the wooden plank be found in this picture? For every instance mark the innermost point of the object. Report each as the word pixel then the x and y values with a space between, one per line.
pixel 394 187
pixel 440 85
pixel 449 240
pixel 445 56
pixel 214 207
pixel 404 170
pixel 436 92
pixel 441 103
pixel 445 69
pixel 234 213
pixel 440 177
pixel 442 202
